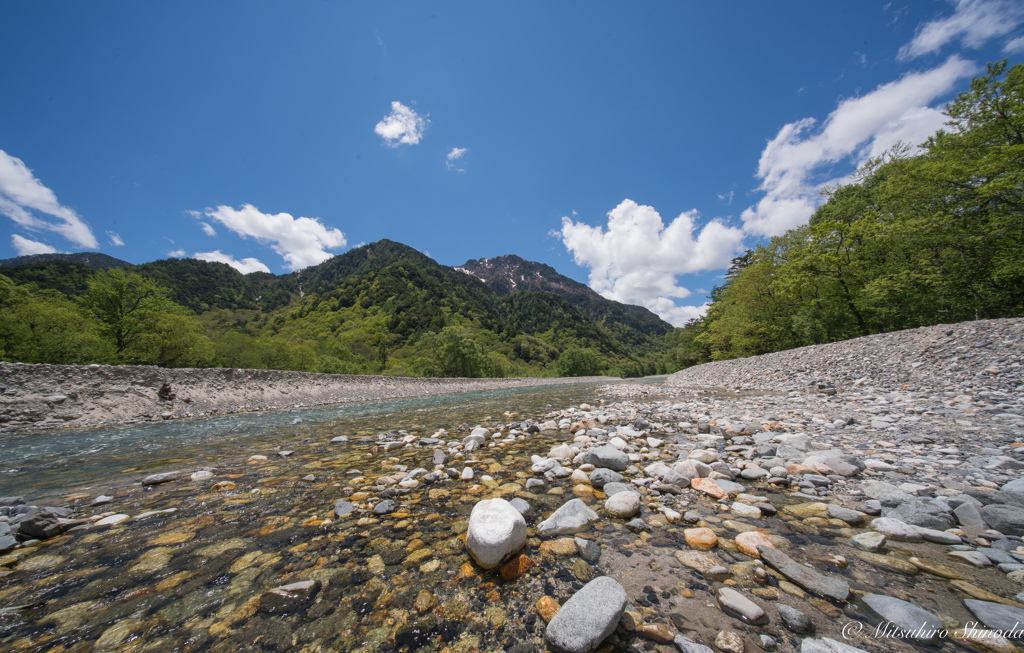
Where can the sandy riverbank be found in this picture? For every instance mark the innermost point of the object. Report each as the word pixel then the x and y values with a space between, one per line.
pixel 51 396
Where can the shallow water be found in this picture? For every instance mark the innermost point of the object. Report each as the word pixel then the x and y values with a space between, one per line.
pixel 36 464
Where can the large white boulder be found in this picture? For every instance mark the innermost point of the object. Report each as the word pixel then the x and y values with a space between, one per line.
pixel 496 531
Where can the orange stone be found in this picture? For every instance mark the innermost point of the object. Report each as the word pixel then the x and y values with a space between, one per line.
pixel 547 608
pixel 466 570
pixel 516 567
pixel 565 546
pixel 223 485
pixel 749 541
pixel 701 539
pixel 583 491
pixel 166 539
pixel 708 487
pixel 658 632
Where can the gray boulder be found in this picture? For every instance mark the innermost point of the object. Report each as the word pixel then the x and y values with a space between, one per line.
pixel 852 517
pixel 887 494
pixel 342 508
pixel 996 615
pixel 588 617
pixel 830 587
pixel 1006 519
pixel 922 512
pixel 572 515
pixel 968 514
pixel 896 529
pixel 606 456
pixel 165 477
pixel 7 542
pixel 1016 485
pixel 612 489
pixel 794 620
pixel 924 626
pixel 602 476
pixel 41 523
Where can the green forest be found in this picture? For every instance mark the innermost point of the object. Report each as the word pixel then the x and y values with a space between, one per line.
pixel 922 237
pixel 383 308
pixel 933 237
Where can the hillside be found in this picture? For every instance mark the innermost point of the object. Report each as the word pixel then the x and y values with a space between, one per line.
pixel 382 307
pixel 511 274
pixel 94 260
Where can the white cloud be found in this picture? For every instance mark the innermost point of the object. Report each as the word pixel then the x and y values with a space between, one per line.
pixel 115 240
pixel 245 266
pixel 1014 46
pixel 679 315
pixel 798 161
pixel 454 156
pixel 178 253
pixel 636 260
pixel 21 194
pixel 207 229
pixel 301 241
pixel 973 23
pixel 24 246
pixel 727 197
pixel 402 125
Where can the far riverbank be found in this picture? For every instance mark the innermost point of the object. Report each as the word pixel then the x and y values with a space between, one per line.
pixel 54 396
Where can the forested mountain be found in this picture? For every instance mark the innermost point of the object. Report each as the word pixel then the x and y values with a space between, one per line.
pixel 379 307
pixel 94 260
pixel 511 274
pixel 920 239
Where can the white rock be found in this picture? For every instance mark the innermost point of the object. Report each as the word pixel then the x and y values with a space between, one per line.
pixel 496 531
pixel 743 510
pixel 623 505
pixel 705 456
pixel 113 519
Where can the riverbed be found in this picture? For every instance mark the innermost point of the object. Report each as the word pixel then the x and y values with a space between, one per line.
pixel 191 564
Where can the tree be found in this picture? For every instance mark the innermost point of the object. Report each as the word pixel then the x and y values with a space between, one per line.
pixel 457 354
pixel 140 323
pixel 577 361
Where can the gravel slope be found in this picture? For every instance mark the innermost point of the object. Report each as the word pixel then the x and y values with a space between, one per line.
pixel 940 358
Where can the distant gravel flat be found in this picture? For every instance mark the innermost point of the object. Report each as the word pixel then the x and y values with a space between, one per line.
pixel 49 396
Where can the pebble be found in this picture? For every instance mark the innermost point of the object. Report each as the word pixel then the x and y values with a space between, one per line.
pixel 729 642
pixel 701 539
pixel 795 620
pixel 869 541
pixel 734 604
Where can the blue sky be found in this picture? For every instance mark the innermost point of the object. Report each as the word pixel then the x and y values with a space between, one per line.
pixel 636 147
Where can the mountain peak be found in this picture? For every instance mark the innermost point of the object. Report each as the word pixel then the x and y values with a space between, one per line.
pixel 511 274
